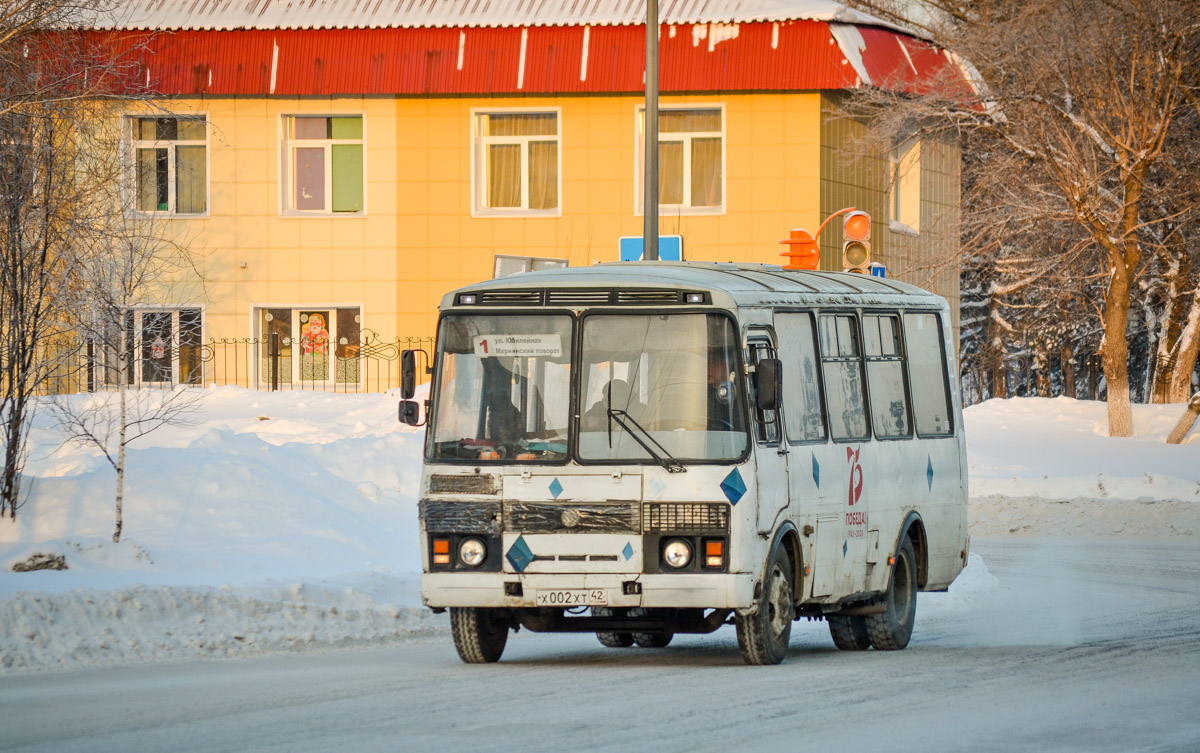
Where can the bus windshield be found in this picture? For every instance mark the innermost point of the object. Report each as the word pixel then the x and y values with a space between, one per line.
pixel 504 389
pixel 660 387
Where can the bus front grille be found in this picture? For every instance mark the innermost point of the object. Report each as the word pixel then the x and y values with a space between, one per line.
pixel 546 517
pixel 675 517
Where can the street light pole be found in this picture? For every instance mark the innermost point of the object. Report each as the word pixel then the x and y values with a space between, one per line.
pixel 650 150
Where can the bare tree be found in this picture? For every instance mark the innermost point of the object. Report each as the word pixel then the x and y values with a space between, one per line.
pixel 132 263
pixel 1077 102
pixel 53 84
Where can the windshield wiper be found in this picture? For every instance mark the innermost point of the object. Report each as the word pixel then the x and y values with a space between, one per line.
pixel 665 460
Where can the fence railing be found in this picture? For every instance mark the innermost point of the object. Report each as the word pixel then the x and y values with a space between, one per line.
pixel 269 363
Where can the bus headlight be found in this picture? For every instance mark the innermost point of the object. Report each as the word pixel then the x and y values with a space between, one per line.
pixel 472 552
pixel 677 553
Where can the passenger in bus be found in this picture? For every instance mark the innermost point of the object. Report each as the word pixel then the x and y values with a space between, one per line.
pixel 721 393
pixel 623 398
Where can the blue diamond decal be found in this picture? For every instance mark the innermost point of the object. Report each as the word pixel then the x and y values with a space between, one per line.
pixel 929 473
pixel 816 471
pixel 733 486
pixel 519 555
pixel 845 547
pixel 656 485
pixel 556 488
pixel 627 552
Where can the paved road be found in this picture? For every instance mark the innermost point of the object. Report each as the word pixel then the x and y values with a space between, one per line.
pixel 1073 646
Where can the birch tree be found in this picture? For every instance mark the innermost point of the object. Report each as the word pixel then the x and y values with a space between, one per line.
pixel 133 262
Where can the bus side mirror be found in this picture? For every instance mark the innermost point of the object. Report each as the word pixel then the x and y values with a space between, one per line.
pixel 408 375
pixel 410 412
pixel 768 383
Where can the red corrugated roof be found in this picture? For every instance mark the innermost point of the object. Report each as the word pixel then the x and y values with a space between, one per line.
pixel 797 55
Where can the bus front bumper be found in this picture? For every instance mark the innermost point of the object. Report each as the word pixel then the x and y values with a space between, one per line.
pixel 678 590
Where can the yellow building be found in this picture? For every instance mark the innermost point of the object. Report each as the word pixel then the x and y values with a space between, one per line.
pixel 338 181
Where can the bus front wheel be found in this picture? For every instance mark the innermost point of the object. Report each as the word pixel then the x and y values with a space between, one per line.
pixel 891 630
pixel 763 636
pixel 479 634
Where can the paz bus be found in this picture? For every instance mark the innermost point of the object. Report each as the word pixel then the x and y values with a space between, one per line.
pixel 640 450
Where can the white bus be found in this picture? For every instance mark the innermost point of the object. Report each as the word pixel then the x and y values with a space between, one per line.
pixel 643 449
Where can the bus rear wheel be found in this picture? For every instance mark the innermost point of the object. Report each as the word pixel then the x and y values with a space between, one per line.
pixel 610 638
pixel 479 634
pixel 849 633
pixel 891 630
pixel 763 636
pixel 649 640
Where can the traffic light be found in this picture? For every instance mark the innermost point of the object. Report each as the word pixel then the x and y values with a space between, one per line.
pixel 856 244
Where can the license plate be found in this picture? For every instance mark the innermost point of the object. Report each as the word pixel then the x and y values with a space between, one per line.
pixel 572 597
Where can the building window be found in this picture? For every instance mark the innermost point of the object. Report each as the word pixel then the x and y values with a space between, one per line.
pixel 691 160
pixel 170 165
pixel 906 187
pixel 323 164
pixel 516 167
pixel 310 345
pixel 162 348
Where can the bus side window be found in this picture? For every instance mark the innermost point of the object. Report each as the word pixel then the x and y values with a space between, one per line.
pixel 885 376
pixel 766 422
pixel 841 364
pixel 927 374
pixel 805 419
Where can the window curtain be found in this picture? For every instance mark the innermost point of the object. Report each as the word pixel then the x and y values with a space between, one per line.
pixel 504 175
pixel 670 172
pixel 543 174
pixel 190 180
pixel 706 172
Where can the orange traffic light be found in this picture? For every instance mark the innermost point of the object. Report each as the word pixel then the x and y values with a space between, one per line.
pixel 856 246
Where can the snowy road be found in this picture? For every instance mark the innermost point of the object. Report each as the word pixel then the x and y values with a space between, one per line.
pixel 1075 646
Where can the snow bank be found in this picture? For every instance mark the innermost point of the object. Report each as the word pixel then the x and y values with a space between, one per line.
pixel 1059 448
pixel 1047 467
pixel 287 521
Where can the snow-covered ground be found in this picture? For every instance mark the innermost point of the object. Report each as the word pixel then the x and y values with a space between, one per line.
pixel 287 521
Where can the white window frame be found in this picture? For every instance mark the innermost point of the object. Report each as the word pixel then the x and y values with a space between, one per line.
pixel 904 202
pixel 263 379
pixel 287 164
pixel 686 138
pixel 135 367
pixel 135 144
pixel 479 176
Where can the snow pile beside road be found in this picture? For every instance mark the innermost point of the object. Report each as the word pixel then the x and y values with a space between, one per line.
pixel 287 521
pixel 1047 467
pixel 1059 448
pixel 92 628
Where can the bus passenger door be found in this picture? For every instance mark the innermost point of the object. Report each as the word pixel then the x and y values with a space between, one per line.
pixel 817 496
pixel 770 449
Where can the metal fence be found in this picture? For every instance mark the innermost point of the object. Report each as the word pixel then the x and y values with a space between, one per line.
pixel 269 363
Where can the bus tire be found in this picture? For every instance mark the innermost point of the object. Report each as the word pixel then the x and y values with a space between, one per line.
pixel 849 633
pixel 653 640
pixel 649 640
pixel 608 638
pixel 763 636
pixel 891 630
pixel 479 634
